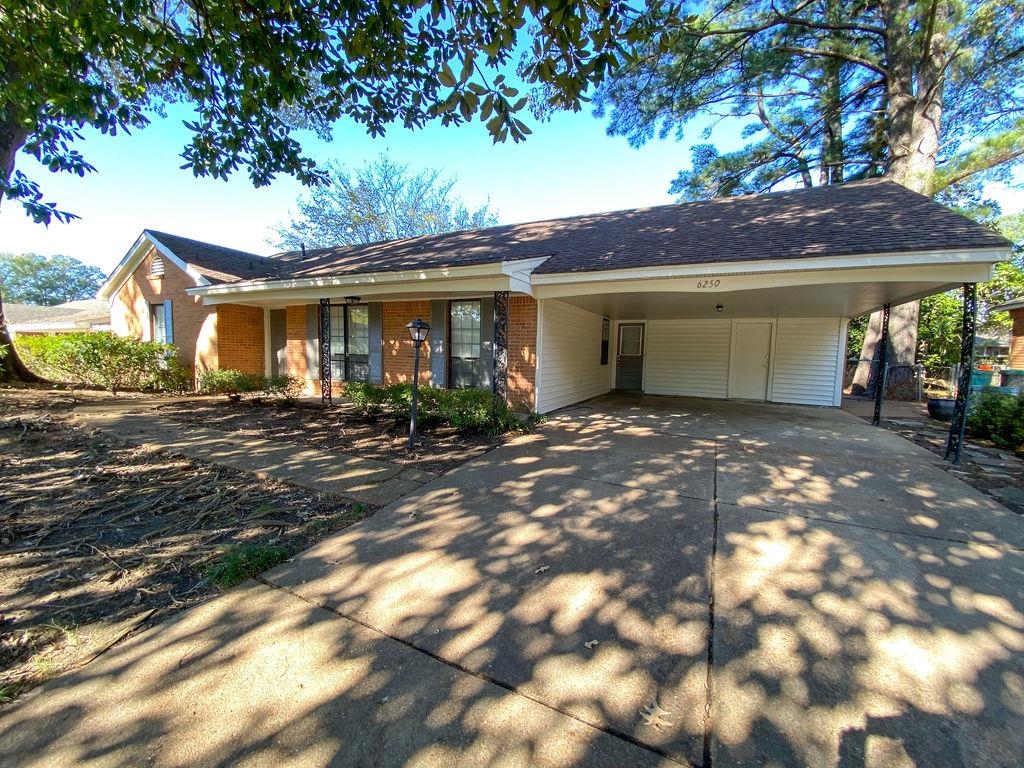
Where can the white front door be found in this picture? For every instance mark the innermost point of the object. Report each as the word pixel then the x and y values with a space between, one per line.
pixel 748 375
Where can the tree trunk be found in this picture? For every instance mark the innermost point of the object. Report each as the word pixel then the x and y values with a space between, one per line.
pixel 11 367
pixel 914 92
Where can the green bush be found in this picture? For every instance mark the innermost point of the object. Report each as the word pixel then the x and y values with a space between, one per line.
pixel 467 410
pixel 100 359
pixel 227 381
pixel 234 384
pixel 998 417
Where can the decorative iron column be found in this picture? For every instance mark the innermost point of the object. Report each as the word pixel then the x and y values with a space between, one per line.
pixel 882 368
pixel 963 387
pixel 325 352
pixel 500 378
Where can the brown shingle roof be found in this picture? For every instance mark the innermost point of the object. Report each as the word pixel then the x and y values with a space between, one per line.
pixel 215 262
pixel 86 311
pixel 874 216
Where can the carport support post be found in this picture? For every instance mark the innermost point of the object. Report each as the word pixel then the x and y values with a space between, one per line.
pixel 881 366
pixel 325 352
pixel 499 381
pixel 963 387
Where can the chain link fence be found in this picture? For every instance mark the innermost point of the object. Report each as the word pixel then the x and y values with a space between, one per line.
pixel 902 382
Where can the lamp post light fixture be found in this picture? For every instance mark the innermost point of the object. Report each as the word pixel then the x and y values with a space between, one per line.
pixel 418 332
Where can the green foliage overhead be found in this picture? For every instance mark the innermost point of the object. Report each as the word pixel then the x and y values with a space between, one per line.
pixel 256 72
pixel 830 90
pixel 105 360
pixel 380 201
pixel 33 279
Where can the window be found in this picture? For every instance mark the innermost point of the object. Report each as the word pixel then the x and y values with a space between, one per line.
pixel 159 314
pixel 606 330
pixel 350 342
pixel 464 344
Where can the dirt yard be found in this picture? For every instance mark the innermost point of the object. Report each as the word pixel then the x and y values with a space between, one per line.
pixel 99 538
pixel 338 429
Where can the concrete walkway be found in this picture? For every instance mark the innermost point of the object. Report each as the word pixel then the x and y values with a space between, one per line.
pixel 365 480
pixel 655 582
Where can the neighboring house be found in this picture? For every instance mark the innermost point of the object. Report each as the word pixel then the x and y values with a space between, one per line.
pixel 147 298
pixel 1015 307
pixel 992 348
pixel 70 317
pixel 745 297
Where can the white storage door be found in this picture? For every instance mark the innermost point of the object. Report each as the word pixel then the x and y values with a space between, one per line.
pixel 806 360
pixel 688 357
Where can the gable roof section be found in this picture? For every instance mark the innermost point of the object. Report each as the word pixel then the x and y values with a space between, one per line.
pixel 205 263
pixel 216 263
pixel 857 218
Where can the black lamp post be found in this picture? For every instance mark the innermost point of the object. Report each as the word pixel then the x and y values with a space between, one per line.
pixel 418 331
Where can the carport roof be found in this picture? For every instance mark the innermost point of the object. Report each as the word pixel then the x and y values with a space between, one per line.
pixel 857 218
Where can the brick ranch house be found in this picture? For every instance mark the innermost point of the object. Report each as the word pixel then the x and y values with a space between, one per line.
pixel 745 298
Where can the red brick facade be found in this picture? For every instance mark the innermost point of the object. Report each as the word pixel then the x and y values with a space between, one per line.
pixel 240 341
pixel 193 325
pixel 522 352
pixel 397 344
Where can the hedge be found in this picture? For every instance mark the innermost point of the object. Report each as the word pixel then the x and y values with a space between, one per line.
pixel 470 410
pixel 106 360
pixel 235 384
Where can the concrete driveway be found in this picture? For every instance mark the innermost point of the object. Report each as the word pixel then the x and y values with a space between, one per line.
pixel 787 586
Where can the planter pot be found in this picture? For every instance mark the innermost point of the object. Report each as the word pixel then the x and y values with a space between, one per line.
pixel 941 408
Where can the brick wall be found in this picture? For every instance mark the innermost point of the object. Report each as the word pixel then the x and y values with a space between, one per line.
pixel 240 338
pixel 1016 358
pixel 397 344
pixel 192 324
pixel 522 351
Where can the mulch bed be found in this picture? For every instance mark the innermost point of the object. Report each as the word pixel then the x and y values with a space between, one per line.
pixel 335 429
pixel 98 537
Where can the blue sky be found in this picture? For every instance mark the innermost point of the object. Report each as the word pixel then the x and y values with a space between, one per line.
pixel 568 166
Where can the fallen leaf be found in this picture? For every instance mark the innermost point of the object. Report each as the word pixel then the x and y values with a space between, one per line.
pixel 541 569
pixel 654 715
pixel 591 643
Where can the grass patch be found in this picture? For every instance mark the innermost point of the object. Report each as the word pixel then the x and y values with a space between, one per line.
pixel 241 563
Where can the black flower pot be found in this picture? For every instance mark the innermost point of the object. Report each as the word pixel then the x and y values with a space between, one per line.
pixel 941 408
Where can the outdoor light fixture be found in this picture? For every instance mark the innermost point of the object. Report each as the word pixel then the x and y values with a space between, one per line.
pixel 352 299
pixel 719 307
pixel 418 332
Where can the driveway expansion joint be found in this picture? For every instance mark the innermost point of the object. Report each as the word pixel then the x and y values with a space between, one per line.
pixel 610 731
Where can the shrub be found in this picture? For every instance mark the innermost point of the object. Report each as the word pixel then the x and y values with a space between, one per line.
pixel 234 384
pixel 467 410
pixel 227 381
pixel 287 387
pixel 99 359
pixel 998 417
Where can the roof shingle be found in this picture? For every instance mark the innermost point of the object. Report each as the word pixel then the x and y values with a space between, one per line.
pixel 865 217
pixel 215 262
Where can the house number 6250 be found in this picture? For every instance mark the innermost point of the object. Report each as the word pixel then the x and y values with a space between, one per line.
pixel 708 283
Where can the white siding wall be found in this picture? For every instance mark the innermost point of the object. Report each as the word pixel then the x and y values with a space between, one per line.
pixel 688 357
pixel 805 364
pixel 570 367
